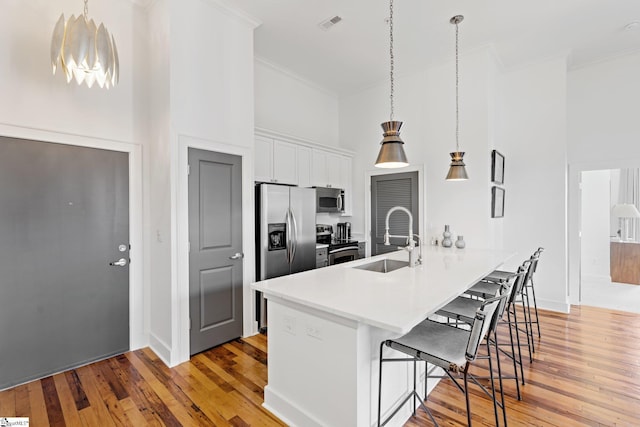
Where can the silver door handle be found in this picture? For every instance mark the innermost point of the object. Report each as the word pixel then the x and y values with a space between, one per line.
pixel 294 240
pixel 288 235
pixel 120 263
pixel 238 255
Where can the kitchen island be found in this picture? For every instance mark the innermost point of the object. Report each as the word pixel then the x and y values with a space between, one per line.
pixel 325 327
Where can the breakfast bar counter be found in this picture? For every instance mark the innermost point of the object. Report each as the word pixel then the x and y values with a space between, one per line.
pixel 325 327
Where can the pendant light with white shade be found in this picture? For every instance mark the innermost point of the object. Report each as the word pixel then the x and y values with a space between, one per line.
pixel 86 52
pixel 457 171
pixel 391 153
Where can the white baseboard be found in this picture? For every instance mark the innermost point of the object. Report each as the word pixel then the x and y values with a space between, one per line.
pixel 562 307
pixel 162 350
pixel 286 411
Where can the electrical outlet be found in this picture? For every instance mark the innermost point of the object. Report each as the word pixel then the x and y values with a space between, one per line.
pixel 289 324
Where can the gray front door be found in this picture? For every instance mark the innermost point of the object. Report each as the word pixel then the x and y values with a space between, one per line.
pixel 64 216
pixel 215 249
pixel 387 191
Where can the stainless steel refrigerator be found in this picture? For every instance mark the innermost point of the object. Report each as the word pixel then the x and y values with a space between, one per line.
pixel 285 235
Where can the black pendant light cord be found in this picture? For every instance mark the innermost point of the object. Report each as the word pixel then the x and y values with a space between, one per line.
pixel 457 90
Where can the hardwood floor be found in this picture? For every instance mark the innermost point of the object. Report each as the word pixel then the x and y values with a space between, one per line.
pixel 586 371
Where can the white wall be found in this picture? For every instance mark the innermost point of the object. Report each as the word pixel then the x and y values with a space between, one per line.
pixel 289 105
pixel 603 107
pixel 533 123
pixel 202 96
pixel 158 184
pixel 603 132
pixel 596 208
pixel 425 102
pixel 32 97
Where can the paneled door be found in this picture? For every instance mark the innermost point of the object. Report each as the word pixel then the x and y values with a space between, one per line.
pixel 387 191
pixel 215 248
pixel 64 257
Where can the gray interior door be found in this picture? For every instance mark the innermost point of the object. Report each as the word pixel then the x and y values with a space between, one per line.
pixel 64 213
pixel 215 253
pixel 387 191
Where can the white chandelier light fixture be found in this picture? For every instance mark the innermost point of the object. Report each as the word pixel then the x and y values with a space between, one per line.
pixel 86 52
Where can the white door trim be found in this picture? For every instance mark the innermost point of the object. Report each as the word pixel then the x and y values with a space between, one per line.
pixel 138 317
pixel 180 305
pixel 422 202
pixel 574 227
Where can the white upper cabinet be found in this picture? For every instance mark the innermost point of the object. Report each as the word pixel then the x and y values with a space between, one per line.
pixel 326 169
pixel 304 166
pixel 345 176
pixel 275 161
pixel 319 168
pixel 263 161
pixel 300 163
pixel 334 177
pixel 285 169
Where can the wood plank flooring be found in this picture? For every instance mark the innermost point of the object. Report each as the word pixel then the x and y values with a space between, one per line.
pixel 586 372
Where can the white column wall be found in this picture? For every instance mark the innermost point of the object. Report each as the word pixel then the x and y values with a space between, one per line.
pixel 533 122
pixel 202 97
pixel 158 167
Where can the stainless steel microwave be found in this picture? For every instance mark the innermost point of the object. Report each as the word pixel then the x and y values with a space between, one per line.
pixel 329 199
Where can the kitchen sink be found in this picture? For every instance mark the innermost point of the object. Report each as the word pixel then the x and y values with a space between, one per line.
pixel 383 265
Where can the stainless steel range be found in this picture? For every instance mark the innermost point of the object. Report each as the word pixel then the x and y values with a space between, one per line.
pixel 340 250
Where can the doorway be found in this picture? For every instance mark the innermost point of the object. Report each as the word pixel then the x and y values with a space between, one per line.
pixel 215 253
pixel 64 255
pixel 387 191
pixel 604 246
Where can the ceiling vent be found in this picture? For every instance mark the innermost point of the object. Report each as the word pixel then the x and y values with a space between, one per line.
pixel 328 23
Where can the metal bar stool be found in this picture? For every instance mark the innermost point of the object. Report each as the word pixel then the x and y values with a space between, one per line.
pixel 529 286
pixel 486 289
pixel 499 275
pixel 463 309
pixel 452 349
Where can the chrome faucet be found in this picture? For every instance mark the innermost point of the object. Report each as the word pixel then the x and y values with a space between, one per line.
pixel 414 259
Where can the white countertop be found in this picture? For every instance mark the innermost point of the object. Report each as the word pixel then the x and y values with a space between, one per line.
pixel 395 301
pixel 321 245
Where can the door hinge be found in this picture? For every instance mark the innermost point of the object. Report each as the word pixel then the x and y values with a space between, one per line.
pixel 189 247
pixel 188 169
pixel 189 323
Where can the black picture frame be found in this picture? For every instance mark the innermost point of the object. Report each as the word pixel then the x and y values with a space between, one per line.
pixel 497 167
pixel 497 202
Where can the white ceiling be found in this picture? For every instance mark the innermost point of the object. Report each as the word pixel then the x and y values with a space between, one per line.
pixel 354 54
